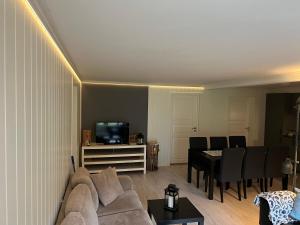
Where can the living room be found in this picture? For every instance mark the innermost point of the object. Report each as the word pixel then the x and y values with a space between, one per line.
pixel 88 89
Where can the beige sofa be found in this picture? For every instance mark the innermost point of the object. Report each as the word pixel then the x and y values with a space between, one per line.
pixel 83 207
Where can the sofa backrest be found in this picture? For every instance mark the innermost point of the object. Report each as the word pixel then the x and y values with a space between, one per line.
pixel 80 200
pixel 82 176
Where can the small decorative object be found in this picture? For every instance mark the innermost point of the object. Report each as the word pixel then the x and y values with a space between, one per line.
pixel 132 139
pixel 86 137
pixel 140 139
pixel 171 197
pixel 287 167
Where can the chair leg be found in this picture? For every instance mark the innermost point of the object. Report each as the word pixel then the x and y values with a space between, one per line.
pixel 266 184
pixel 239 190
pixel 271 181
pixel 261 182
pixel 221 191
pixel 227 185
pixel 205 182
pixel 198 173
pixel 245 189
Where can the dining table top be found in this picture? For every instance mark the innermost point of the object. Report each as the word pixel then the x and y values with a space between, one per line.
pixel 214 153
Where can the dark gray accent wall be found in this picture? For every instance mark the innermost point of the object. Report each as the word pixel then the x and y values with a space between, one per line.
pixel 115 103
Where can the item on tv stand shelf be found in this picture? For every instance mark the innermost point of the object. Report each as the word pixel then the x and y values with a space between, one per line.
pixel 140 139
pixel 112 133
pixel 86 137
pixel 132 139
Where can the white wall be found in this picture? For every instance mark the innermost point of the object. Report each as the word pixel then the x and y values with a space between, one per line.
pixel 35 120
pixel 213 116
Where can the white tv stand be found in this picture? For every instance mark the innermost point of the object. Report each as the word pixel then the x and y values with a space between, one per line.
pixel 125 158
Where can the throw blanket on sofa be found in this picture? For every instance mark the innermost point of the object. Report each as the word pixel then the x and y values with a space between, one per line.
pixel 280 203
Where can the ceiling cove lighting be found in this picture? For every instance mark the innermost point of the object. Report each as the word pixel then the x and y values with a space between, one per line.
pixel 144 85
pixel 48 36
pixel 289 73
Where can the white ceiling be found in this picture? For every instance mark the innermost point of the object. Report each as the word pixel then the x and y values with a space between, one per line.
pixel 188 42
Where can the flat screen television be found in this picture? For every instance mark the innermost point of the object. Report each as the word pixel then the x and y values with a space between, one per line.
pixel 112 132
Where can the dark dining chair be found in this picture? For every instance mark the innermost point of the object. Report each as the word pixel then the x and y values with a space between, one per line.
pixel 237 142
pixel 231 169
pixel 254 166
pixel 274 159
pixel 198 144
pixel 218 143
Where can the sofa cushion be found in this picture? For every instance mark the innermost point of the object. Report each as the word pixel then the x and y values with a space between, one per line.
pixel 73 218
pixel 80 200
pixel 126 182
pixel 82 176
pixel 125 202
pixel 107 185
pixel 136 217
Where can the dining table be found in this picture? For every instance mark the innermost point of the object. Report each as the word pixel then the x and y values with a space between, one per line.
pixel 210 160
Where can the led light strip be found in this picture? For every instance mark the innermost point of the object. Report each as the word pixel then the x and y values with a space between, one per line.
pixel 143 85
pixel 37 19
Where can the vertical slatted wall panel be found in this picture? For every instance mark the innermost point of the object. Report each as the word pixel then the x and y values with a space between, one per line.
pixel 36 91
pixel 10 107
pixel 21 113
pixel 2 120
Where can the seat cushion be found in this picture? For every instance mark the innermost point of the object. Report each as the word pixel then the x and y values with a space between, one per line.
pixel 136 217
pixel 80 200
pixel 82 176
pixel 107 185
pixel 73 218
pixel 128 201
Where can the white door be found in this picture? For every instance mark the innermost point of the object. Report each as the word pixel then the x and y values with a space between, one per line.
pixel 239 117
pixel 185 112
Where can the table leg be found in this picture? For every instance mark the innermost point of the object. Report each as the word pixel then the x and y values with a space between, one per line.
pixel 285 182
pixel 249 182
pixel 189 178
pixel 211 182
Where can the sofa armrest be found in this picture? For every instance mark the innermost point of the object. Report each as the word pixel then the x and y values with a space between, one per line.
pixel 126 182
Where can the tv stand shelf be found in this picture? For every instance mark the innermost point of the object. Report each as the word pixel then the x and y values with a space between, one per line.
pixel 124 157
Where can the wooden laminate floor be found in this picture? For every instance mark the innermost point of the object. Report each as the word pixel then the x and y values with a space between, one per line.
pixel 231 212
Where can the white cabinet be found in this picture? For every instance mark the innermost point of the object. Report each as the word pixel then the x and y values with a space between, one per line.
pixel 124 157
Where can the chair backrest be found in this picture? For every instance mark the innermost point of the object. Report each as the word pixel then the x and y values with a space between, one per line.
pixel 237 142
pixel 254 162
pixel 218 143
pixel 198 143
pixel 231 164
pixel 274 159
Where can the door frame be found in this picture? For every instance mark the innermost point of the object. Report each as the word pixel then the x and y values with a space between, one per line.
pixel 173 93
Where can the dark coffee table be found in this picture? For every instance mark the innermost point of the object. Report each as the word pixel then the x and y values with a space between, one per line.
pixel 186 213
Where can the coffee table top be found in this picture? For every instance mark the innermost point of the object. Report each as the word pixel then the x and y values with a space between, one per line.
pixel 186 213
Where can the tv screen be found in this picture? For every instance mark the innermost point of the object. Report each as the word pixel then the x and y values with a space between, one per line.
pixel 112 132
